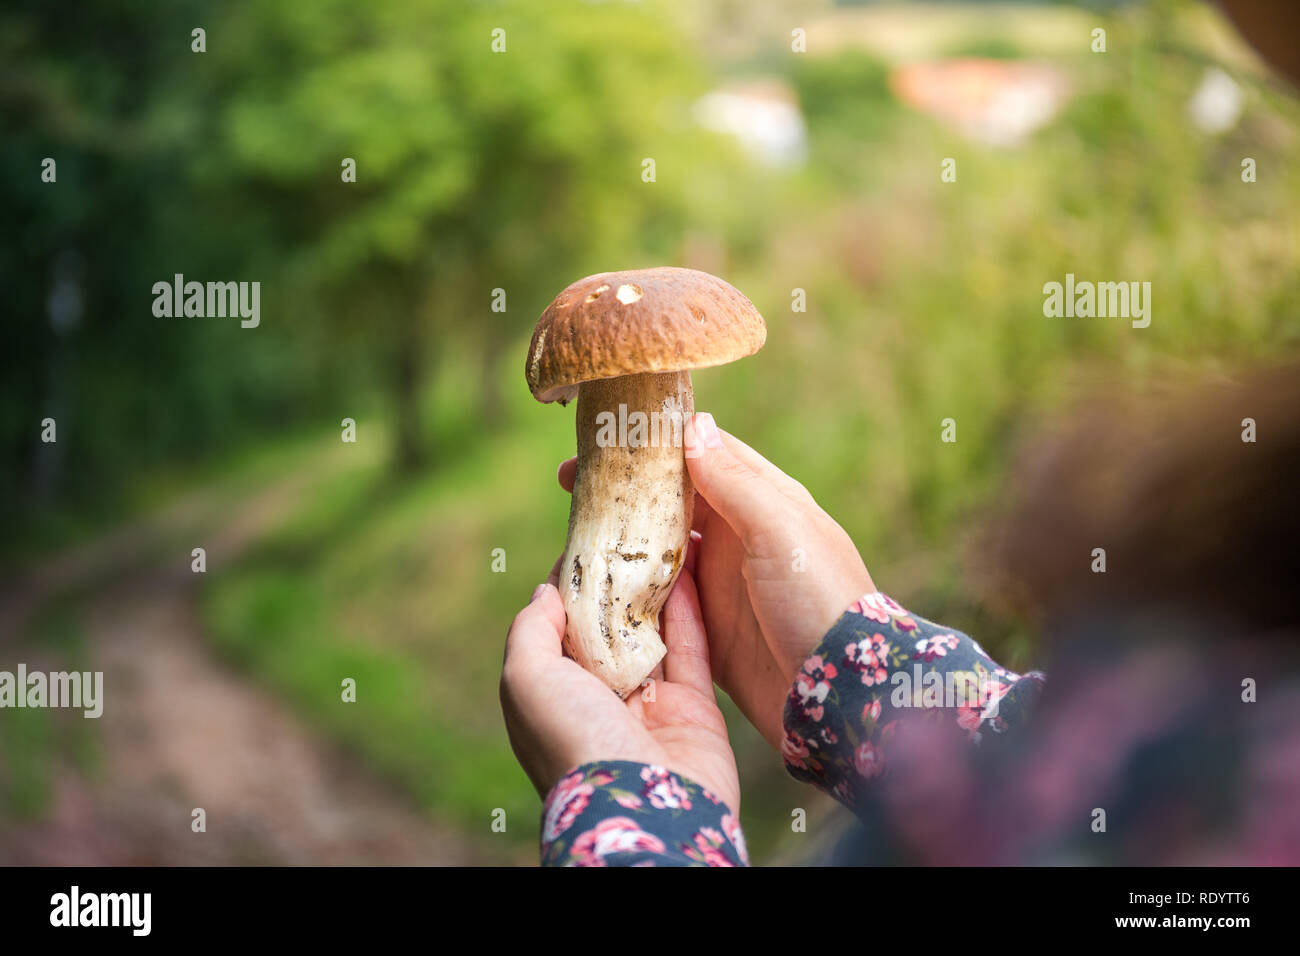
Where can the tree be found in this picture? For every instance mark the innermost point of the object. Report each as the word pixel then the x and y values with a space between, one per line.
pixel 482 160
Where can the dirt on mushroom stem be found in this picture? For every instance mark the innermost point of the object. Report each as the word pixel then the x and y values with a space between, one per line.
pixel 629 522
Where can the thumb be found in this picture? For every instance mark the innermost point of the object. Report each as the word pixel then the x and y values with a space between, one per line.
pixel 746 500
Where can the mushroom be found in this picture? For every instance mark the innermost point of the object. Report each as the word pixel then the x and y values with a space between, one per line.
pixel 624 343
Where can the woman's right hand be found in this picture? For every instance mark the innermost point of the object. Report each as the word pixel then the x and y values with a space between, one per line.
pixel 774 571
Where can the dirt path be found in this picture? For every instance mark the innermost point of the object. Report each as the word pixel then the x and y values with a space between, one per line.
pixel 180 730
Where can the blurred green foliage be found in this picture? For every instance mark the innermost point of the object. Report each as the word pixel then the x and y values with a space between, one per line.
pixel 522 171
pixel 475 170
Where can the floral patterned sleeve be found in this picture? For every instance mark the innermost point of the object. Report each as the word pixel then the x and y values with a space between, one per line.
pixel 620 813
pixel 877 665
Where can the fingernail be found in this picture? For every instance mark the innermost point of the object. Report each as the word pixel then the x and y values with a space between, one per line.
pixel 707 430
pixel 538 592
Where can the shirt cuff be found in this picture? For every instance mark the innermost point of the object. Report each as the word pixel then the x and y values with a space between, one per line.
pixel 877 665
pixel 622 813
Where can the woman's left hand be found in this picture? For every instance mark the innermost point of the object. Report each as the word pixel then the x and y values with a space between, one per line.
pixel 559 716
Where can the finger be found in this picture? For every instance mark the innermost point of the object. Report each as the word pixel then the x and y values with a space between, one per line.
pixel 746 500
pixel 687 661
pixel 539 628
pixel 762 466
pixel 553 578
pixel 567 471
pixel 692 553
pixel 700 514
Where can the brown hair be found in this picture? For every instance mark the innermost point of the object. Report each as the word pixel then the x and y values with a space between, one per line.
pixel 1188 510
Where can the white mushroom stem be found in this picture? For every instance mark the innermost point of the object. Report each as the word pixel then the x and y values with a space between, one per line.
pixel 629 523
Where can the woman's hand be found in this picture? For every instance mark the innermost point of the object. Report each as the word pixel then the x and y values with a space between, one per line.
pixel 559 716
pixel 774 570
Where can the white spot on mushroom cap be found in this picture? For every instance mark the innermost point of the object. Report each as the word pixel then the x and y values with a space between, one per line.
pixel 627 294
pixel 596 295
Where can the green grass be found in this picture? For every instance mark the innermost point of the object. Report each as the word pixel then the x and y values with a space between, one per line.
pixel 223 476
pixel 388 583
pixel 36 742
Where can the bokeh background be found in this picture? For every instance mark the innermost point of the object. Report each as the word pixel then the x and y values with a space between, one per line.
pixel 780 170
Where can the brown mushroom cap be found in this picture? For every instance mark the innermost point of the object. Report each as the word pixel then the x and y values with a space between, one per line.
pixel 646 320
